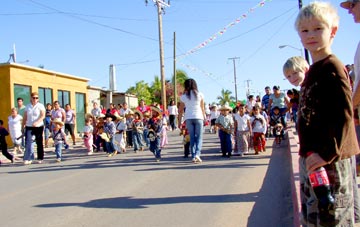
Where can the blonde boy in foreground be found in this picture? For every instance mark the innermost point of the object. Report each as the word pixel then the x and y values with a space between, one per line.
pixel 327 137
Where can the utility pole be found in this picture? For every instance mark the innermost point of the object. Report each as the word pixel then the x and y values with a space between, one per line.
pixel 175 84
pixel 305 50
pixel 233 59
pixel 160 4
pixel 247 88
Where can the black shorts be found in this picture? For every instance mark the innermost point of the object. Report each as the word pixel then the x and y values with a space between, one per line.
pixel 69 128
pixel 212 122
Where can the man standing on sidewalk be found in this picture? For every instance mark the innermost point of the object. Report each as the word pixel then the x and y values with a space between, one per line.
pixel 353 6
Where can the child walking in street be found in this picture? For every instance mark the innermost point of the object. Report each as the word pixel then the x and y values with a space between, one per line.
pixel 88 136
pixel 108 134
pixel 277 123
pixel 3 144
pixel 59 138
pixel 163 133
pixel 258 125
pixel 242 131
pixel 120 142
pixel 129 119
pixel 155 126
pixel 137 131
pixel 225 123
pixel 186 139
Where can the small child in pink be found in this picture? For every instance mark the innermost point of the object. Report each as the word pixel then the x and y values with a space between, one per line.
pixel 163 133
pixel 88 135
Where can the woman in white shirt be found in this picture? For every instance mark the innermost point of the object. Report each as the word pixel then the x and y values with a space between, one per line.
pixel 34 126
pixel 173 112
pixel 192 103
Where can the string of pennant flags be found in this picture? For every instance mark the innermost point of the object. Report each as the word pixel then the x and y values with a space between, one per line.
pixel 215 36
pixel 225 29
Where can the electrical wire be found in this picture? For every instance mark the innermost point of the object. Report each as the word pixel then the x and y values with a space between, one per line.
pixel 93 22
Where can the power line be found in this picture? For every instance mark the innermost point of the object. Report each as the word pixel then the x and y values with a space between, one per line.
pixel 93 22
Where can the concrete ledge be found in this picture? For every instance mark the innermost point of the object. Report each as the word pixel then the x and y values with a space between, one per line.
pixel 295 180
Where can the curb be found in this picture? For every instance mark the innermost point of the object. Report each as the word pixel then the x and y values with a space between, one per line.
pixel 294 176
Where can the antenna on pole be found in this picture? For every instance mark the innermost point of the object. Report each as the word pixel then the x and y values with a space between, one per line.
pixel 13 55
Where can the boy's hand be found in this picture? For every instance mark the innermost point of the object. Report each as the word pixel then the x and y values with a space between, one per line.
pixel 314 161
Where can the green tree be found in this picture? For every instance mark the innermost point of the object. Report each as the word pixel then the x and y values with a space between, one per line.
pixel 141 90
pixel 181 76
pixel 155 90
pixel 225 97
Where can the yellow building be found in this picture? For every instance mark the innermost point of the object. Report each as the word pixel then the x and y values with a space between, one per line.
pixel 17 80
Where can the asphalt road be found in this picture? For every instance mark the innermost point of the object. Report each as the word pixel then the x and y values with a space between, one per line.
pixel 131 189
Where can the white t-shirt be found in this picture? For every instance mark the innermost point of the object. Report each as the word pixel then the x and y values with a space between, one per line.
pixel 88 128
pixel 214 114
pixel 242 122
pixel 15 126
pixel 173 110
pixel 193 109
pixel 33 114
pixel 258 126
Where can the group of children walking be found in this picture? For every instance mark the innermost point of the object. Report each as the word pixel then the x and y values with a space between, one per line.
pixel 242 129
pixel 135 130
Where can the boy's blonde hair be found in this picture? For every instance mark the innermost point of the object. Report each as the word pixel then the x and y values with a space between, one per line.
pixel 297 64
pixel 323 11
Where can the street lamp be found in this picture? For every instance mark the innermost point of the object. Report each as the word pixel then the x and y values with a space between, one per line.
pixel 283 46
pixel 299 49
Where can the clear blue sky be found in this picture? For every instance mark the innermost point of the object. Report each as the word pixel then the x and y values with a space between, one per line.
pixel 83 38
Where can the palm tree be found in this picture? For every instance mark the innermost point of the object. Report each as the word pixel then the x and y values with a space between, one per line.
pixel 225 97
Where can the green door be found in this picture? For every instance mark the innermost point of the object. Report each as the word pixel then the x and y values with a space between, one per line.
pixel 80 112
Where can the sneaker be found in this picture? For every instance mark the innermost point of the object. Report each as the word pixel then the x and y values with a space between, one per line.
pixel 110 155
pixel 194 160
pixel 58 160
pixel 90 153
pixel 27 162
pixel 241 154
pixel 40 161
pixel 158 160
pixel 198 159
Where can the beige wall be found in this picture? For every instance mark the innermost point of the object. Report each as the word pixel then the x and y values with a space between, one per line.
pixel 11 73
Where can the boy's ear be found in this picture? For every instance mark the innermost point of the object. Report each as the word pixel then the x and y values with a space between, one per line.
pixel 333 31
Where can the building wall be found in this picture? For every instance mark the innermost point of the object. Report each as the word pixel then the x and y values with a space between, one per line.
pixel 15 74
pixel 94 96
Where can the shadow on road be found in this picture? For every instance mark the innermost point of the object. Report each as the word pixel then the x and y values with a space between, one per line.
pixel 273 207
pixel 137 203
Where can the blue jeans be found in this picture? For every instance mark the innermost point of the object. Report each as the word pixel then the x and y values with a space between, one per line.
pixel 155 147
pixel 195 128
pixel 146 139
pixel 225 142
pixel 137 140
pixel 36 132
pixel 58 149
